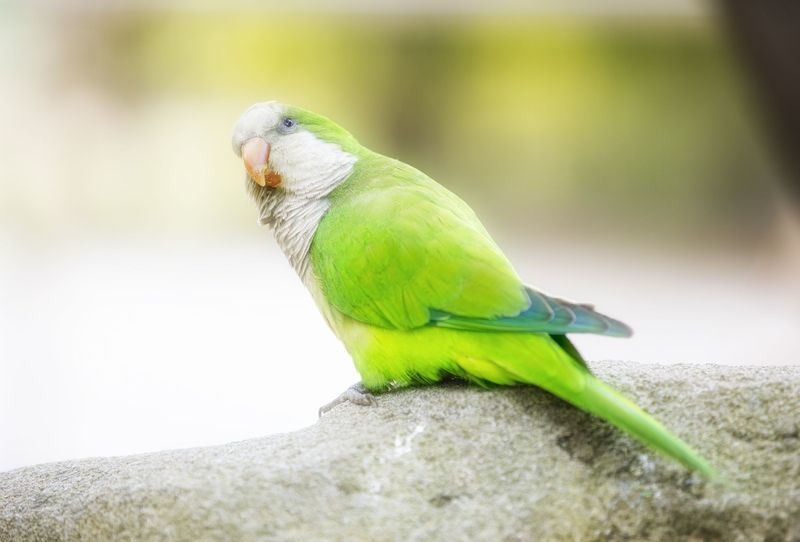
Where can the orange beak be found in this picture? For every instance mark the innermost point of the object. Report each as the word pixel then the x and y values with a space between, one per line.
pixel 255 155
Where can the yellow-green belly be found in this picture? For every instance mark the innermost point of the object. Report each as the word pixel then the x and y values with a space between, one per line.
pixel 387 357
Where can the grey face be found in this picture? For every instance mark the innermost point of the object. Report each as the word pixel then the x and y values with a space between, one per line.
pixel 260 120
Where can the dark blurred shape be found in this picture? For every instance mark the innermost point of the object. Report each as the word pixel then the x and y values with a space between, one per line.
pixel 767 34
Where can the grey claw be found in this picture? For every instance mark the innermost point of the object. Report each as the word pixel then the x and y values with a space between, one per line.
pixel 356 394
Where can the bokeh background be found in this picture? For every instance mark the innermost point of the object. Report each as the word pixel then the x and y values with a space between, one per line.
pixel 617 153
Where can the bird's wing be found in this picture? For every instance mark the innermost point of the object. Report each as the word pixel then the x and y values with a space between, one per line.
pixel 546 314
pixel 403 252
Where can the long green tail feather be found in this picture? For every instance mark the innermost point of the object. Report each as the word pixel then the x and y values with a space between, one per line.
pixel 604 401
pixel 567 377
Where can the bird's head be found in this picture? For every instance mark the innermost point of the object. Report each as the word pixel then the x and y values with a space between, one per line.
pixel 288 149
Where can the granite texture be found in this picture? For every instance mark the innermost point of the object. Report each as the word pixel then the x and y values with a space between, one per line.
pixel 453 463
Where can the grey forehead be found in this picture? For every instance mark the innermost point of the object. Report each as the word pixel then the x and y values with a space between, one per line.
pixel 255 121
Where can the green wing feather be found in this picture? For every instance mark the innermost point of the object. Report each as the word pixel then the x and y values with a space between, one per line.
pixel 545 315
pixel 410 246
pixel 417 255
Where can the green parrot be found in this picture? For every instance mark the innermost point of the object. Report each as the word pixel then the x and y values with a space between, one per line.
pixel 409 280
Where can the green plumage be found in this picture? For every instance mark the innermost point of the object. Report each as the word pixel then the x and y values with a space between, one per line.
pixel 416 289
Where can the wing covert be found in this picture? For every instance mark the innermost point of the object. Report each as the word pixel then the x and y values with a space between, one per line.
pixel 401 247
pixel 400 251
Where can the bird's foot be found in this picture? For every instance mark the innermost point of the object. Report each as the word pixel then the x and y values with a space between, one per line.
pixel 356 394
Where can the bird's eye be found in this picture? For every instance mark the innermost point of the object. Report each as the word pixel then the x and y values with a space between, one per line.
pixel 288 122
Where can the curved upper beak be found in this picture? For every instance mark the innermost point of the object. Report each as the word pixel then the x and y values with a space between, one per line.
pixel 255 155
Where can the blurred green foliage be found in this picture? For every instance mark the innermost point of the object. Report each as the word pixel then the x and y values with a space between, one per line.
pixel 628 123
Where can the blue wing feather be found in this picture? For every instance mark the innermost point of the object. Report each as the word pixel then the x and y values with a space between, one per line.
pixel 544 315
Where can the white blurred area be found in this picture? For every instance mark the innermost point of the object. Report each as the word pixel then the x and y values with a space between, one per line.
pixel 123 346
pixel 142 308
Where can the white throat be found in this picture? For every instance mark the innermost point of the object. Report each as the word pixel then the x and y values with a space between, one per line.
pixel 294 221
pixel 311 169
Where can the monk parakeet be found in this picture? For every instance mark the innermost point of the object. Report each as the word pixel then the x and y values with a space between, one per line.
pixel 410 281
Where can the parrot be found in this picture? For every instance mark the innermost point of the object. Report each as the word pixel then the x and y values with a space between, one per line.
pixel 410 281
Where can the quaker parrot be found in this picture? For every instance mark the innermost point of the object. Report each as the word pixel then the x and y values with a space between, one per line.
pixel 409 280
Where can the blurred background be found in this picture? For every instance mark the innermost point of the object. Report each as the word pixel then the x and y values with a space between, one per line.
pixel 619 154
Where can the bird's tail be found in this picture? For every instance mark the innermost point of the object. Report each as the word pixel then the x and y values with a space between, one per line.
pixel 604 401
pixel 572 382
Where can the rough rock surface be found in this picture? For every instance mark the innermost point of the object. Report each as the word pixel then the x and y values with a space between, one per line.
pixel 453 463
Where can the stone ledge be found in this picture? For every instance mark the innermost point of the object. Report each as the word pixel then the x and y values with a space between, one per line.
pixel 453 463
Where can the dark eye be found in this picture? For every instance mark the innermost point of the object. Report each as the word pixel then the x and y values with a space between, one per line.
pixel 288 122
